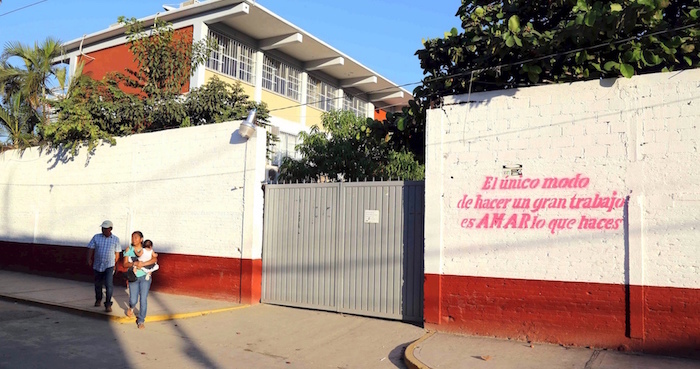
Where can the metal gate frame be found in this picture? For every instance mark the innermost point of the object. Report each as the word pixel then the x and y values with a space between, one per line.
pixel 358 272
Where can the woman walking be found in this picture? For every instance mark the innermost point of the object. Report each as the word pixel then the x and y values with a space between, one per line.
pixel 138 290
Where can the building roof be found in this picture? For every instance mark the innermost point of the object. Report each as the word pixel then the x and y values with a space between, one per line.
pixel 273 32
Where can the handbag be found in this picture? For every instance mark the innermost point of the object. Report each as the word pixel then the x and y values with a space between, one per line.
pixel 130 275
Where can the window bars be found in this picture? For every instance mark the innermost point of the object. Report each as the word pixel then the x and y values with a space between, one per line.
pixel 281 78
pixel 232 58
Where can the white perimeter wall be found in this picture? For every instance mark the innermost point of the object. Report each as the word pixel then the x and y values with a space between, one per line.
pixel 636 137
pixel 183 188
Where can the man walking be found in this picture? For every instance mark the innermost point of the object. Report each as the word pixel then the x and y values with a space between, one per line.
pixel 103 253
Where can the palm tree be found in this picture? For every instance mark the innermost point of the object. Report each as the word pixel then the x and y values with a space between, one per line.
pixel 18 122
pixel 31 81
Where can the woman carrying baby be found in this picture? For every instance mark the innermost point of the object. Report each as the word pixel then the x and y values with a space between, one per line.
pixel 138 290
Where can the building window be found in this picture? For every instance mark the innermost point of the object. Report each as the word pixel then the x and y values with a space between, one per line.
pixel 285 147
pixel 355 105
pixel 320 94
pixel 232 58
pixel 281 78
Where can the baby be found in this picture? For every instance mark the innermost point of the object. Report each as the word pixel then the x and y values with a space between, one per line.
pixel 145 254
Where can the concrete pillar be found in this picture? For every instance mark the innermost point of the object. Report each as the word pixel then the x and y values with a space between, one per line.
pixel 303 90
pixel 259 59
pixel 200 32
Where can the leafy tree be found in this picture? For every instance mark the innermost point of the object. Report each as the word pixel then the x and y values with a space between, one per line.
pixel 536 42
pixel 348 149
pixel 93 110
pixel 16 120
pixel 99 110
pixel 27 86
pixel 165 59
pixel 404 130
pixel 558 41
pixel 218 101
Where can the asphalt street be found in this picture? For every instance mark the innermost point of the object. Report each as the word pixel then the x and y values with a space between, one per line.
pixel 261 336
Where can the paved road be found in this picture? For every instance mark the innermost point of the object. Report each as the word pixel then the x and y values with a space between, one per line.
pixel 261 336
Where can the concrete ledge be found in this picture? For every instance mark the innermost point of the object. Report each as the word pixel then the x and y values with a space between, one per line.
pixel 410 359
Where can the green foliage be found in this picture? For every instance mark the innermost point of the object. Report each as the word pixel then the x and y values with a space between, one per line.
pixel 165 59
pixel 533 40
pixel 404 130
pixel 17 121
pixel 99 110
pixel 95 111
pixel 77 126
pixel 32 79
pixel 92 111
pixel 348 148
pixel 613 38
pixel 25 87
pixel 218 101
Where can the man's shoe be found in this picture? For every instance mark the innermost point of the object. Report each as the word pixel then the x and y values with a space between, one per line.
pixel 108 309
pixel 130 312
pixel 98 303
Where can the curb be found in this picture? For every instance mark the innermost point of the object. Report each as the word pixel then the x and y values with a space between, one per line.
pixel 116 318
pixel 410 359
pixel 164 317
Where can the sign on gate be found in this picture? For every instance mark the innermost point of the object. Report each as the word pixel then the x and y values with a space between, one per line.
pixel 372 216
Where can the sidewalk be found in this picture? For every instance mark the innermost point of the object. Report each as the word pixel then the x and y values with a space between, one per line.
pixel 79 297
pixel 433 350
pixel 442 350
pixel 259 336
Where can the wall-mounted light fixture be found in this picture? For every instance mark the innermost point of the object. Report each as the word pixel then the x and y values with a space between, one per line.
pixel 247 127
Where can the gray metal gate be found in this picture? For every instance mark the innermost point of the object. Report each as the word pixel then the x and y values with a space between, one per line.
pixel 348 247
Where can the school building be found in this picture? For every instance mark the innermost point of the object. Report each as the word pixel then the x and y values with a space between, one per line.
pixel 297 74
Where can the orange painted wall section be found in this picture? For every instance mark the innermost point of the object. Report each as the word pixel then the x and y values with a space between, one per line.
pixel 379 114
pixel 119 58
pixel 662 320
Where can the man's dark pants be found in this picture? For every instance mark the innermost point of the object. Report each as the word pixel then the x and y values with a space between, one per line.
pixel 106 278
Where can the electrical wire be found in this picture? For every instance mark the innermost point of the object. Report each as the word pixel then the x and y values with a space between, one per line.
pixel 554 55
pixel 525 61
pixel 24 7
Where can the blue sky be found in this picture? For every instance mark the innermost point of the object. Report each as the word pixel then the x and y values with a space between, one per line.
pixel 381 34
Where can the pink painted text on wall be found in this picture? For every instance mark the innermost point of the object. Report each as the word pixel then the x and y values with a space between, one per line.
pixel 528 212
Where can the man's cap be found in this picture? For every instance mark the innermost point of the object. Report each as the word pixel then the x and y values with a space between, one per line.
pixel 107 224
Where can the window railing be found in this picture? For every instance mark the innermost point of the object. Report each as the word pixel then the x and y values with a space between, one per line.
pixel 285 147
pixel 232 58
pixel 281 78
pixel 320 94
pixel 355 105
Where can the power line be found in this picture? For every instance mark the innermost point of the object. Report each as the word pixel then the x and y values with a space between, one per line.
pixel 496 67
pixel 24 7
pixel 553 55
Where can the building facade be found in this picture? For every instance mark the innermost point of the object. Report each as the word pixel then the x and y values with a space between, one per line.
pixel 296 74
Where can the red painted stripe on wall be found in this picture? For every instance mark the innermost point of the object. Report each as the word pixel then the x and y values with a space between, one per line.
pixel 570 313
pixel 200 276
pixel 251 282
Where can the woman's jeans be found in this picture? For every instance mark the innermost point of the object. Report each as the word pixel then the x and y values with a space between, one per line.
pixel 139 290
